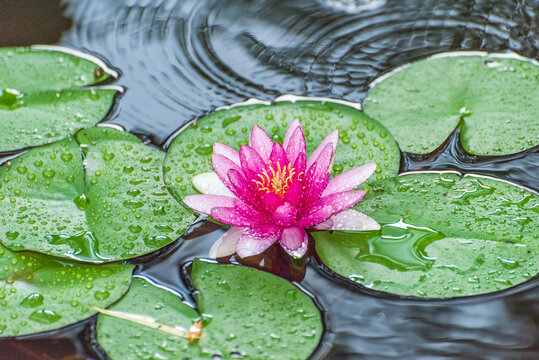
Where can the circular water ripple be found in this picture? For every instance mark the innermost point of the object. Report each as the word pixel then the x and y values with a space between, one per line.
pixel 182 59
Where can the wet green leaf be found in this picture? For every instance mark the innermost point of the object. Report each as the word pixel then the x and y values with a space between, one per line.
pixel 39 293
pixel 361 139
pixel 495 97
pixel 117 207
pixel 244 310
pixel 441 236
pixel 46 94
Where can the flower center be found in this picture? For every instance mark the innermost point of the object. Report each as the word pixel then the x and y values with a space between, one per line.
pixel 278 181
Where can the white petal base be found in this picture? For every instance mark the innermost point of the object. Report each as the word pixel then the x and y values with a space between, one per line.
pixel 349 220
pixel 226 244
pixel 210 184
pixel 256 240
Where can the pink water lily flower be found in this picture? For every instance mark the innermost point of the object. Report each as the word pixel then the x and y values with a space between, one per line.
pixel 270 192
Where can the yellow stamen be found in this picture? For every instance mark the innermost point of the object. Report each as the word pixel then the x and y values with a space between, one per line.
pixel 279 181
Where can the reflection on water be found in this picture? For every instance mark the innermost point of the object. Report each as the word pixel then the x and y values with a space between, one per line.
pixel 181 59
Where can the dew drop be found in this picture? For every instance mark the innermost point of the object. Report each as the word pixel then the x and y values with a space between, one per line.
pixel 12 235
pixel 205 149
pixel 32 300
pixel 135 229
pixel 45 316
pixel 133 192
pixel 101 295
pixel 66 157
pixel 130 204
pixel 82 202
pixel 156 241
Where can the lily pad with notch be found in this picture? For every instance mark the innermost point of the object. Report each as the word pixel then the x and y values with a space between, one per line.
pixel 244 312
pixel 40 293
pixel 492 96
pixel 48 93
pixel 442 236
pixel 362 140
pixel 114 207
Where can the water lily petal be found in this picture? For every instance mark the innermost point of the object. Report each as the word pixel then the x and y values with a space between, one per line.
pixel 293 194
pixel 278 155
pixel 222 165
pixel 271 201
pixel 349 220
pixel 210 184
pixel 256 240
pixel 227 151
pixel 296 148
pixel 233 217
pixel 244 189
pixel 261 142
pixel 317 178
pixel 349 180
pixel 320 168
pixel 251 162
pixel 285 215
pixel 329 206
pixel 300 164
pixel 204 203
pixel 226 244
pixel 294 125
pixel 251 213
pixel 332 138
pixel 294 241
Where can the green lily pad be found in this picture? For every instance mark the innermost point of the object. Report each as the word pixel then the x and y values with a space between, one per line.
pixel 46 94
pixel 442 236
pixel 362 140
pixel 245 311
pixel 39 293
pixel 116 207
pixel 495 98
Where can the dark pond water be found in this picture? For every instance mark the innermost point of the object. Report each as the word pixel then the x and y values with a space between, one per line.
pixel 182 59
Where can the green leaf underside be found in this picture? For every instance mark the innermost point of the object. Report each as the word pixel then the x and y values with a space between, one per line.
pixel 42 99
pixel 495 97
pixel 361 139
pixel 247 311
pixel 38 293
pixel 117 208
pixel 441 236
